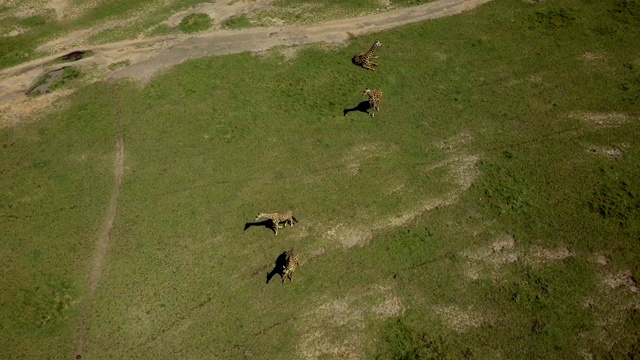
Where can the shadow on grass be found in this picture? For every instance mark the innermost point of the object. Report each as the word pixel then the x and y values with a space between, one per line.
pixel 278 268
pixel 265 223
pixel 364 107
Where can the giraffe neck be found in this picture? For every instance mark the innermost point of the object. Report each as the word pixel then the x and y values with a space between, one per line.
pixel 370 52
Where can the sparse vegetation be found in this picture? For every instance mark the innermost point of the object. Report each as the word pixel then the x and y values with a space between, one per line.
pixel 119 65
pixel 618 198
pixel 237 22
pixel 53 80
pixel 195 23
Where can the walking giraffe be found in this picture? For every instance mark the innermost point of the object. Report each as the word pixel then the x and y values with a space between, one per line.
pixel 293 260
pixel 285 217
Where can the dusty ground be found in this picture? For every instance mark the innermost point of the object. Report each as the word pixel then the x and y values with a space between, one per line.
pixel 148 57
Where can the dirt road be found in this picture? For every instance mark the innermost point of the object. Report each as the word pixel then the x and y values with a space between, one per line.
pixel 260 39
pixel 148 57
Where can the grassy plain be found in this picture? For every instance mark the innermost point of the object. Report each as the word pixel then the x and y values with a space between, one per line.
pixel 491 210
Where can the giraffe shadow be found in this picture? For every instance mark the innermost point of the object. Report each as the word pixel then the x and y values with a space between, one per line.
pixel 278 268
pixel 265 223
pixel 363 106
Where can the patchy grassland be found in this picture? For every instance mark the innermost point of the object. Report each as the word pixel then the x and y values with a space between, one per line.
pixel 26 26
pixel 491 209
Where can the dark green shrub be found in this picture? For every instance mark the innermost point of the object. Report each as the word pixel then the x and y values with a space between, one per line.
pixel 195 23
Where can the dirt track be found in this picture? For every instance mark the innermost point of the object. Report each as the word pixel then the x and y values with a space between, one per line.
pixel 148 57
pixel 102 245
pixel 260 39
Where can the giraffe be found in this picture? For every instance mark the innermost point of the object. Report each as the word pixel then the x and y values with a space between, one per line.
pixel 364 59
pixel 291 265
pixel 375 96
pixel 285 217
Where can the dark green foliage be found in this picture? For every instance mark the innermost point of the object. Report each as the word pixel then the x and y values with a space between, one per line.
pixel 410 2
pixel 552 19
pixel 33 21
pixel 618 198
pixel 630 87
pixel 502 188
pixel 404 343
pixel 47 304
pixel 69 73
pixel 626 12
pixel 160 30
pixel 237 22
pixel 195 23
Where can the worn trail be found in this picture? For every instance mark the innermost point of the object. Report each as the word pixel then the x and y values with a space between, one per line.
pixel 102 246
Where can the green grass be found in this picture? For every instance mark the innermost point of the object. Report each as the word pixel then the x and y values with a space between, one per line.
pixel 70 73
pixel 195 23
pixel 207 146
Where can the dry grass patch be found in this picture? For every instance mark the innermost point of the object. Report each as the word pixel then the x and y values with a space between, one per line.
pixel 603 120
pixel 500 252
pixel 462 172
pixel 455 143
pixel 541 256
pixel 458 319
pixel 360 153
pixel 220 11
pixel 610 152
pixel 621 279
pixel 336 328
pixel 26 109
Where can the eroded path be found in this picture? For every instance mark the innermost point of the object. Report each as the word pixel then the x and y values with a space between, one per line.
pixel 146 58
pixel 102 244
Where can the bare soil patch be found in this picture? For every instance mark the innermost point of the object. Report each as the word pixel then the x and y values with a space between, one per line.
pixel 610 152
pixel 603 120
pixel 59 6
pixel 148 57
pixel 500 252
pixel 220 11
pixel 623 278
pixel 456 142
pixel 363 152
